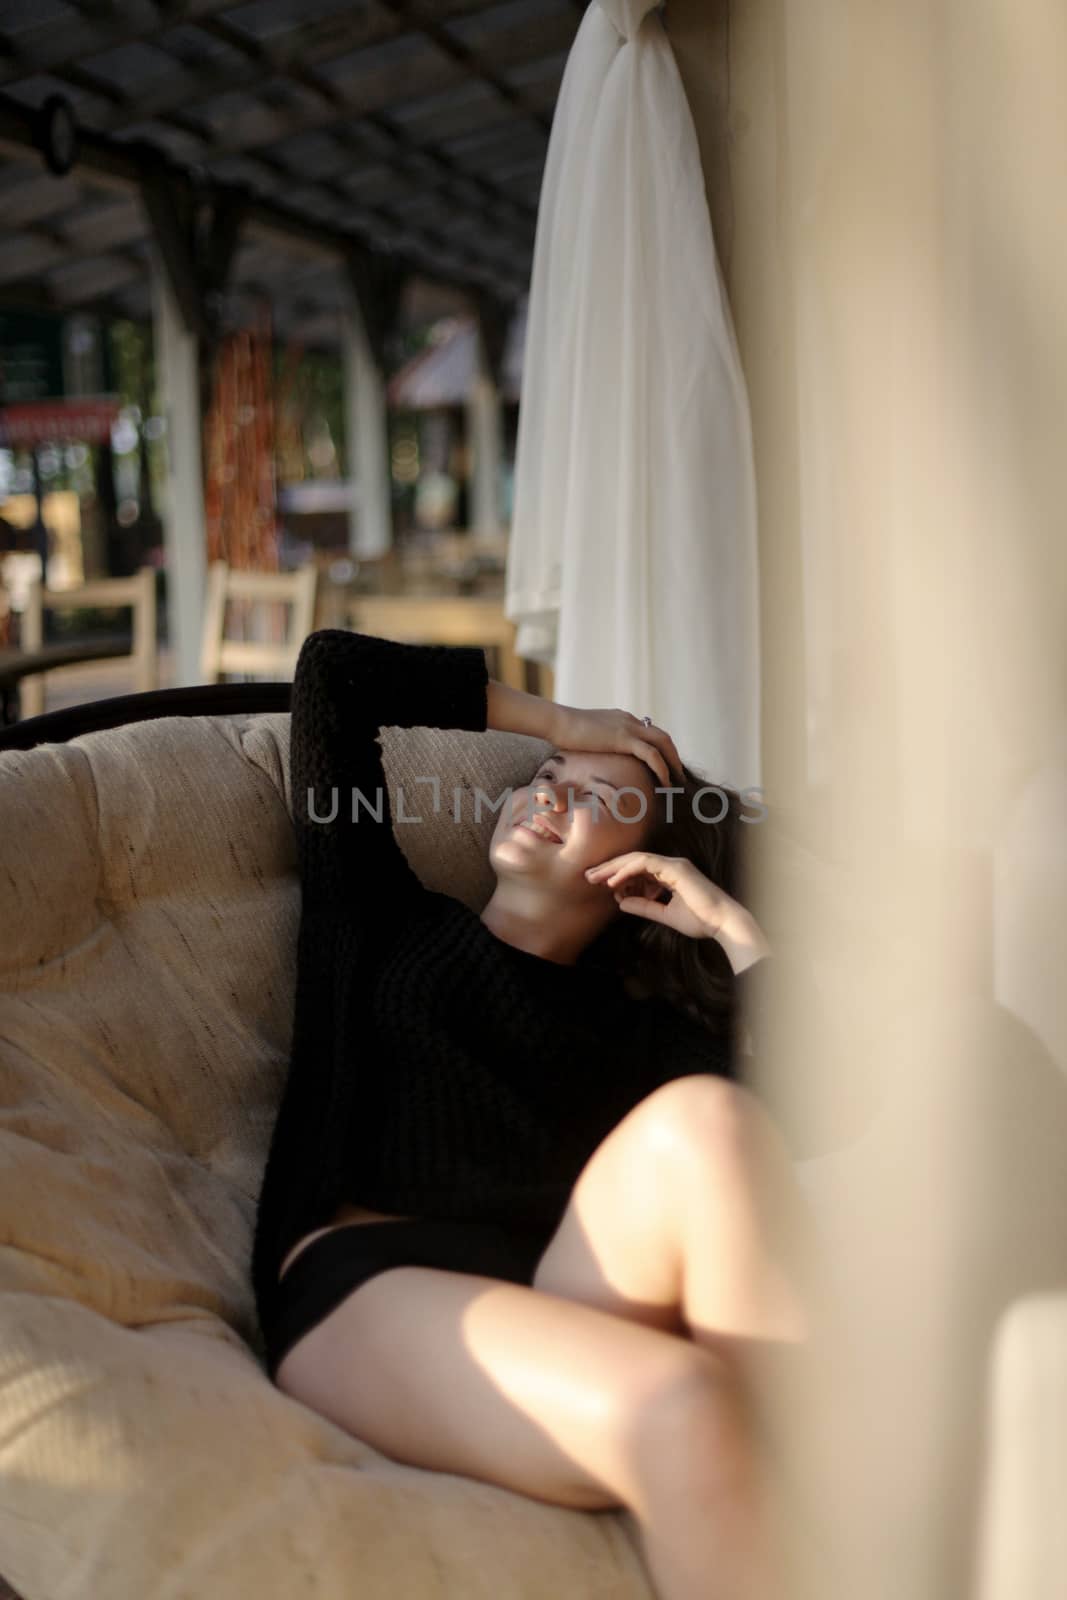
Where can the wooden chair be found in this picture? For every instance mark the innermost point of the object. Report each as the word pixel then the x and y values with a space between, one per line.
pixel 275 659
pixel 138 592
pixel 441 619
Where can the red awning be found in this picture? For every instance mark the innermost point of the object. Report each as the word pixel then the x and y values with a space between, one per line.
pixel 86 417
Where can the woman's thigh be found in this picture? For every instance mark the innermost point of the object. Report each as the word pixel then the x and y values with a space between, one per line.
pixel 462 1373
pixel 618 1246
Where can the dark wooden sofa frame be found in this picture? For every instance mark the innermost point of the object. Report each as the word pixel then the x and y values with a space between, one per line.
pixel 199 700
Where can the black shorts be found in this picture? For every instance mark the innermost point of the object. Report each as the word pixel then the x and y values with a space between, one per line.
pixel 335 1263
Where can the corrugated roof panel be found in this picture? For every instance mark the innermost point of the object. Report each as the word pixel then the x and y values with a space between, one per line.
pixel 242 170
pixel 34 91
pixel 107 222
pixel 458 97
pixel 267 19
pixel 196 47
pixel 20 17
pixel 368 182
pixel 544 72
pixel 481 30
pixel 77 281
pixel 317 203
pixel 402 51
pixel 222 109
pixel 323 155
pixel 405 148
pixel 130 67
pixel 32 194
pixel 373 137
pixel 26 255
pixel 517 137
pixel 432 120
pixel 181 147
pixel 240 120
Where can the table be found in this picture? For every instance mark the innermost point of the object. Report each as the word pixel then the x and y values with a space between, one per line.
pixel 18 664
pixel 441 619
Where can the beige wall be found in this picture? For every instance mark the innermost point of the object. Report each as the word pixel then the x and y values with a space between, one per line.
pixel 886 185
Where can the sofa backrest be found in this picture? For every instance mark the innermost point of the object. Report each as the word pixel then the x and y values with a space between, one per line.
pixel 149 908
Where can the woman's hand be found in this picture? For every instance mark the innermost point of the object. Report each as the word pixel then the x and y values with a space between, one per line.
pixel 674 892
pixel 575 728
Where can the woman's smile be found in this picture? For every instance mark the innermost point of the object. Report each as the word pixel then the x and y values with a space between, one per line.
pixel 540 831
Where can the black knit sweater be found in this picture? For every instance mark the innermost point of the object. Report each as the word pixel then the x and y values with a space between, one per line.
pixel 435 1070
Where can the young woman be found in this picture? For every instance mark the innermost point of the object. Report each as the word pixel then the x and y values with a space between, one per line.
pixel 518 1213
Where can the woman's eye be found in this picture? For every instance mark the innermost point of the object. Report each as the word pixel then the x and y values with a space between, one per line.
pixel 591 792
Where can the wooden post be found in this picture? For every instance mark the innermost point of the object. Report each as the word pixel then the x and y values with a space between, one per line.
pixel 367 437
pixel 184 533
pixel 484 420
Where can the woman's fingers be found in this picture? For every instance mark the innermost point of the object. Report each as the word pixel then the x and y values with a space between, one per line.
pixel 653 754
pixel 635 861
pixel 672 755
pixel 649 754
pixel 652 909
pixel 663 748
pixel 644 887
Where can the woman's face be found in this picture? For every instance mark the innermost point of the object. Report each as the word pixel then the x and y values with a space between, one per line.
pixel 586 802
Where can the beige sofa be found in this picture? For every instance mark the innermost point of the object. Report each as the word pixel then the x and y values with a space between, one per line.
pixel 148 916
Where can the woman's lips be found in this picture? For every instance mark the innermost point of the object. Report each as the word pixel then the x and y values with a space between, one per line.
pixel 537 835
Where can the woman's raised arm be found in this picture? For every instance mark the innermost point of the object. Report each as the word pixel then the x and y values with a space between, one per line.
pixel 347 686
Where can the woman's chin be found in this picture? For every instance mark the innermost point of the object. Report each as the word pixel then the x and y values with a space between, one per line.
pixel 516 859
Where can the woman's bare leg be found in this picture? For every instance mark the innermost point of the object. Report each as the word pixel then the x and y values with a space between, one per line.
pixel 579 1403
pixel 689 1217
pixel 752 1293
pixel 460 1373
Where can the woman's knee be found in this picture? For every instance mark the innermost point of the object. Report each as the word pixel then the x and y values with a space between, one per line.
pixel 695 1116
pixel 620 1242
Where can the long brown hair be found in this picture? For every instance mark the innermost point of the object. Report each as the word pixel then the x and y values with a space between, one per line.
pixel 692 974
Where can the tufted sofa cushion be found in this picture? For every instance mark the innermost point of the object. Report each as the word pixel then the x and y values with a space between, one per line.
pixel 149 908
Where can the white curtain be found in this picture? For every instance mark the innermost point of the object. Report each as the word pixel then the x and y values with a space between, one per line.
pixel 633 557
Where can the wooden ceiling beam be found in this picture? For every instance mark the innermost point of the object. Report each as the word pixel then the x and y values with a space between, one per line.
pixel 422 19
pixel 37 270
pixel 262 60
pixel 321 42
pixel 123 165
pixel 493 264
pixel 400 149
pixel 48 48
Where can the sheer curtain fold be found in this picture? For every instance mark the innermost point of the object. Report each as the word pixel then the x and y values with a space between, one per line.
pixel 633 565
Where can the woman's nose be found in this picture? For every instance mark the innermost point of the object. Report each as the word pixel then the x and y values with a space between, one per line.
pixel 549 793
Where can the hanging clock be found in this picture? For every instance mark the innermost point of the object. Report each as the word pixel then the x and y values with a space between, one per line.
pixel 57 135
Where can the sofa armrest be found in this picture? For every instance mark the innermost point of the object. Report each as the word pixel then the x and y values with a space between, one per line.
pixel 1022 1531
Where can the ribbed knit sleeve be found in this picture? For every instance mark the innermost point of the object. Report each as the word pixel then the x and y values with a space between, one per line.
pixel 355 879
pixel 346 687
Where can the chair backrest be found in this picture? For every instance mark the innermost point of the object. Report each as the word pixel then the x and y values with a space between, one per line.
pixel 138 592
pixel 274 659
pixel 441 619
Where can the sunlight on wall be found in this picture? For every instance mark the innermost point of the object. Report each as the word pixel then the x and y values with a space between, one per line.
pixel 896 278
